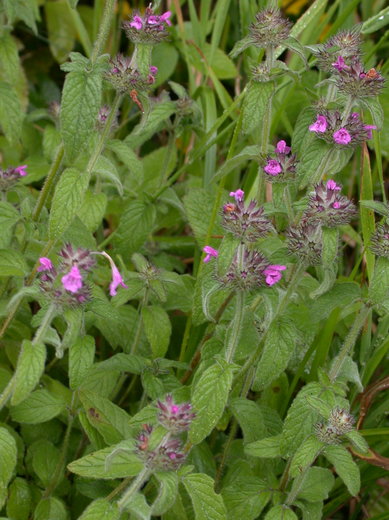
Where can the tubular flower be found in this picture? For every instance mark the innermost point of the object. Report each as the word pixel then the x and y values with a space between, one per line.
pixel 210 252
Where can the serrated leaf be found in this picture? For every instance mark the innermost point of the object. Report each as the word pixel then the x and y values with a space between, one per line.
pixel 280 513
pixel 209 398
pixel 118 461
pixel 19 499
pixel 357 441
pixel 68 197
pixel 345 467
pixel 301 133
pixel 158 329
pixel 92 210
pixel 138 507
pixel 81 101
pixel 206 503
pixel 317 484
pixel 45 457
pixel 29 368
pixel 50 508
pixel 198 205
pixel 373 105
pixel 340 295
pixel 129 158
pixel 11 114
pixel 8 454
pixel 101 509
pixel 255 103
pixel 40 406
pixel 81 356
pixel 167 493
pixel 26 10
pixel 61 29
pixel 374 23
pixel 245 497
pixel 268 448
pixel 379 284
pixel 305 455
pixel 279 347
pixel 250 418
pixel 136 224
pixel 12 263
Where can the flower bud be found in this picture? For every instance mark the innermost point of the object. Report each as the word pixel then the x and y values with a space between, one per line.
pixel 342 48
pixel 326 433
pixel 270 28
pixel 341 420
pixel 125 78
pixel 176 418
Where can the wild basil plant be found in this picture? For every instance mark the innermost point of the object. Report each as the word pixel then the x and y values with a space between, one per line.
pixel 194 260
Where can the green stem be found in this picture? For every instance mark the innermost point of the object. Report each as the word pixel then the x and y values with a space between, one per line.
pixel 105 24
pixel 236 328
pixel 349 342
pixel 269 57
pixel 331 93
pixel 140 322
pixel 266 125
pixel 297 485
pixel 135 486
pixel 347 109
pixel 48 183
pixel 288 203
pixel 47 319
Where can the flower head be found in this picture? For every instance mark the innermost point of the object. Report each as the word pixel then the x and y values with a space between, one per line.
pixel 305 242
pixel 341 420
pixel 272 167
pixel 136 23
pixel 342 136
pixel 238 195
pixel 320 125
pixel 175 417
pixel 327 206
pixel 270 28
pixel 149 28
pixel 331 185
pixel 248 223
pixel 247 273
pixel 125 77
pixel 273 274
pixel 358 83
pixel 282 148
pixel 72 281
pixel 210 252
pixel 46 264
pixel 340 64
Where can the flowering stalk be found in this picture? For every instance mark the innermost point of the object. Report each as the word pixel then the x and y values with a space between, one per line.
pixel 347 109
pixel 236 326
pixel 136 484
pixel 105 24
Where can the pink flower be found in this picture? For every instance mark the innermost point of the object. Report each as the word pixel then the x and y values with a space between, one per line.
pixel 341 136
pixel 238 195
pixel 273 274
pixel 320 125
pixel 72 281
pixel 21 170
pixel 210 252
pixel 273 167
pixel 369 129
pixel 340 64
pixel 331 185
pixel 153 70
pixel 165 17
pixel 137 23
pixel 355 116
pixel 282 147
pixel 46 264
pixel 116 276
pixel 336 205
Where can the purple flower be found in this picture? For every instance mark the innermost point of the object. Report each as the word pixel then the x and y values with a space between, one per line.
pixel 137 23
pixel 273 167
pixel 165 17
pixel 238 195
pixel 331 185
pixel 72 281
pixel 21 170
pixel 336 205
pixel 116 276
pixel 273 274
pixel 355 116
pixel 369 129
pixel 320 125
pixel 341 136
pixel 340 64
pixel 153 70
pixel 46 264
pixel 210 252
pixel 175 417
pixel 282 147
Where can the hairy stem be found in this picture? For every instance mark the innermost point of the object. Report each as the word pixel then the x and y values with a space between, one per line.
pixel 44 193
pixel 136 484
pixel 105 25
pixel 236 326
pixel 347 109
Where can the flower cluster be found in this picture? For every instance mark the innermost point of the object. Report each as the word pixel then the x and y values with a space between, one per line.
pixel 355 81
pixel 305 242
pixel 124 77
pixel 176 418
pixel 149 29
pixel 283 167
pixel 66 285
pixel 380 240
pixel 327 206
pixel 247 223
pixel 102 117
pixel 269 29
pixel 330 127
pixel 345 45
pixel 10 176
pixel 339 423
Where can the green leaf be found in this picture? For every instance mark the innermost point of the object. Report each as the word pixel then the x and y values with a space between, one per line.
pixel 206 503
pixel 158 329
pixel 39 407
pixel 45 457
pixel 106 169
pixel 136 224
pixel 29 368
pixel 245 497
pixel 138 507
pixel 9 215
pixel 118 461
pixel 50 508
pixel 61 29
pixel 301 134
pixel 92 210
pixel 81 357
pixel 250 417
pixel 379 284
pixel 199 205
pixel 101 509
pixel 374 23
pixel 240 46
pixel 109 419
pixel 280 513
pixel 167 494
pixel 19 499
pixel 279 347
pixel 305 455
pixel 26 10
pixel 357 441
pixel 249 153
pixel 340 295
pixel 295 46
pixel 255 103
pixel 330 238
pixel 129 158
pixel 81 101
pixel 268 448
pixel 68 197
pixel 317 485
pixel 8 453
pixel 379 207
pixel 345 467
pixel 209 398
pixel 12 263
pixel 374 106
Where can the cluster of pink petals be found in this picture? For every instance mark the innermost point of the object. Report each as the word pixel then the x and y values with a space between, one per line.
pixel 137 22
pixel 273 274
pixel 72 281
pixel 282 147
pixel 238 195
pixel 340 64
pixel 273 167
pixel 46 264
pixel 331 185
pixel 21 170
pixel 369 129
pixel 342 136
pixel 320 125
pixel 210 252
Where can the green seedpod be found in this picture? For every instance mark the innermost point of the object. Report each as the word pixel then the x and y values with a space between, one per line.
pixel 19 500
